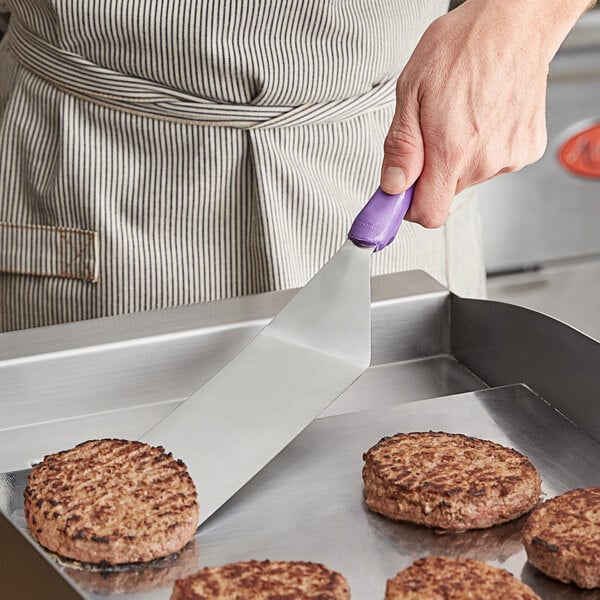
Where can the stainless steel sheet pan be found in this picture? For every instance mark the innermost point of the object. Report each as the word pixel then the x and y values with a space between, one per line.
pixel 308 503
pixel 440 363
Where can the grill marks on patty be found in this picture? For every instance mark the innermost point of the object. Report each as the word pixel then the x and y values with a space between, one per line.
pixel 113 501
pixel 455 579
pixel 448 481
pixel 562 537
pixel 263 580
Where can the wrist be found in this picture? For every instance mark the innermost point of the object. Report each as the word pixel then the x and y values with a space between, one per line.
pixel 556 18
pixel 545 23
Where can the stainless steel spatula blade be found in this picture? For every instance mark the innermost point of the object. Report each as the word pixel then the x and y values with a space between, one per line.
pixel 288 374
pixel 296 366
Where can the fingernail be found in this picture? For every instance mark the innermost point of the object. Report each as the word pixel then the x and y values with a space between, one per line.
pixel 393 180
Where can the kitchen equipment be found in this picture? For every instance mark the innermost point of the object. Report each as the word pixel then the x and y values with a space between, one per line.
pixel 295 367
pixel 438 362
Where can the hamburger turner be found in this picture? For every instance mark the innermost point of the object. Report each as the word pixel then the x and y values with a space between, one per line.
pixel 297 365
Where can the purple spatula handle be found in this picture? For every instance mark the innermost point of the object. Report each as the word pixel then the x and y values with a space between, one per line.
pixel 378 222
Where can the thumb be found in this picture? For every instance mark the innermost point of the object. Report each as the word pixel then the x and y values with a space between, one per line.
pixel 403 149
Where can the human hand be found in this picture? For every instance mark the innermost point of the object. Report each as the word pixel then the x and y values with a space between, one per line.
pixel 471 100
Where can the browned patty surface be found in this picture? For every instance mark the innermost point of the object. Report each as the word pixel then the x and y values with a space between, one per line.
pixel 263 580
pixel 448 481
pixel 440 578
pixel 112 501
pixel 562 537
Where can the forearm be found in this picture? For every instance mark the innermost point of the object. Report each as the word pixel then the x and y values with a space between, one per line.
pixel 548 21
pixel 556 18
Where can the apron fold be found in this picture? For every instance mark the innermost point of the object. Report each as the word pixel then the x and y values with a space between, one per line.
pixel 79 77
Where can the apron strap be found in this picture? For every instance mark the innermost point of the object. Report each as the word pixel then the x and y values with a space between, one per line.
pixel 79 77
pixel 50 251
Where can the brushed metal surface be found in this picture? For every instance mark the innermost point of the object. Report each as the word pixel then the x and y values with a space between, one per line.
pixel 506 344
pixel 425 343
pixel 382 385
pixel 68 339
pixel 567 291
pixel 286 376
pixel 415 327
pixel 307 504
pixel 402 382
pixel 118 376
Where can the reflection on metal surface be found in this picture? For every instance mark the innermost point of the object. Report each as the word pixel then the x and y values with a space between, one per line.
pixel 567 291
pixel 136 368
pixel 408 381
pixel 555 589
pixel 7 491
pixel 128 579
pixel 135 579
pixel 506 344
pixel 494 544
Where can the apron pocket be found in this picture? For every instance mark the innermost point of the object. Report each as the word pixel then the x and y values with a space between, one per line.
pixel 49 251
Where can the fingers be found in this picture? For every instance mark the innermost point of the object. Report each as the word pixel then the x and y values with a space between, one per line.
pixel 433 196
pixel 403 147
pixel 404 162
pixel 462 116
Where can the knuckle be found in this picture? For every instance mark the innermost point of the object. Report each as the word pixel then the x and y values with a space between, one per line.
pixel 453 155
pixel 432 221
pixel 400 140
pixel 449 165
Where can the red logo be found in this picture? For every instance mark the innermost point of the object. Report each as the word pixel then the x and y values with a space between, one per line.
pixel 580 154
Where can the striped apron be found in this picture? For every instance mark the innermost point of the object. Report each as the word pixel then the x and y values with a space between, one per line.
pixel 162 152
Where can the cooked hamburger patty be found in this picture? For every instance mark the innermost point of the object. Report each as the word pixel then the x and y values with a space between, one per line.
pixel 439 578
pixel 562 537
pixel 264 580
pixel 448 481
pixel 111 501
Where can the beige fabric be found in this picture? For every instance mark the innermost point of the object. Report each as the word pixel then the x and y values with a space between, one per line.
pixel 66 252
pixel 209 149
